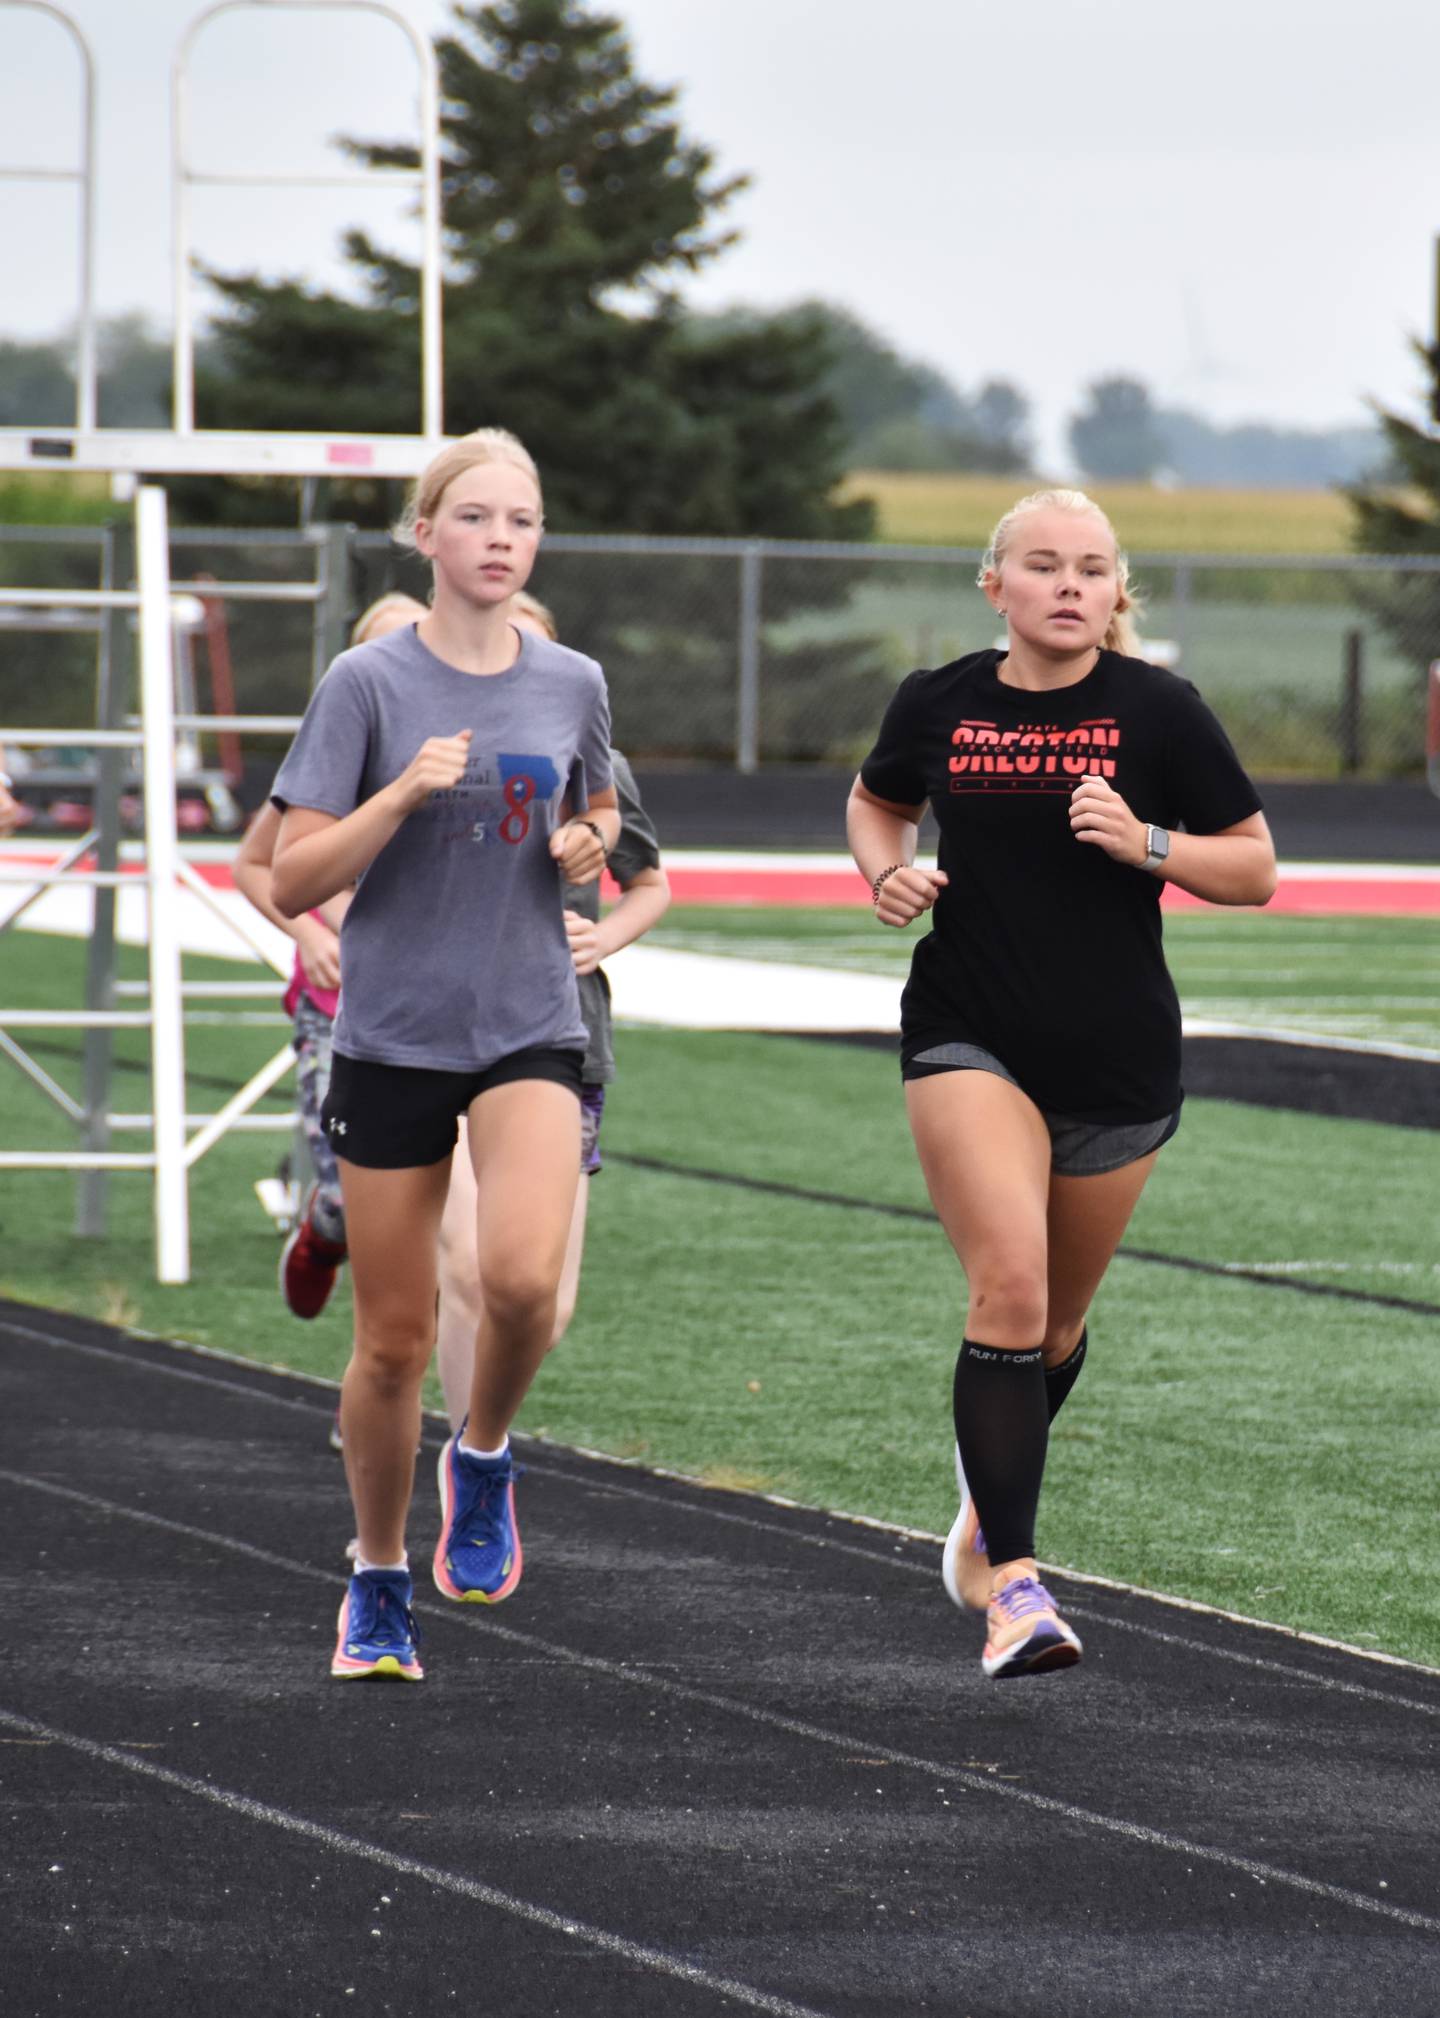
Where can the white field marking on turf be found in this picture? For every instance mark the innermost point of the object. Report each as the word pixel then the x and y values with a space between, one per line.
pixel 1406 974
pixel 474 1889
pixel 1340 1007
pixel 725 1515
pixel 848 1743
pixel 1315 1040
pixel 1331 1267
pixel 653 985
pixel 717 991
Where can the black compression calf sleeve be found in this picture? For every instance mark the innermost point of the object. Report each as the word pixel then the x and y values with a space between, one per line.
pixel 1002 1427
pixel 1060 1379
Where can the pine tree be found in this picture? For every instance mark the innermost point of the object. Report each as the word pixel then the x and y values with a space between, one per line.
pixel 565 174
pixel 573 206
pixel 1401 515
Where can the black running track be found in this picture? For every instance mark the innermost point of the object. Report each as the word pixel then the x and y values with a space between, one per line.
pixel 715 1756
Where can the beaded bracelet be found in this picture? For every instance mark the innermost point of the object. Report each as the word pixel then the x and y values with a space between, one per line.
pixel 880 880
pixel 597 831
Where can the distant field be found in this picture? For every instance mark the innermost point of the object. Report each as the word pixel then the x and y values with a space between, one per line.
pixel 924 510
pixel 30 500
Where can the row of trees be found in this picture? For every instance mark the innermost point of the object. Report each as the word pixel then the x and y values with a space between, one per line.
pixel 1122 433
pixel 893 413
pixel 575 208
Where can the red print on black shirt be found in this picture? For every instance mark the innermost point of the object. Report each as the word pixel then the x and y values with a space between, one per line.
pixel 1041 757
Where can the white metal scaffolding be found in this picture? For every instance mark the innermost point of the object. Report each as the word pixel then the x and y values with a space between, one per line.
pixel 178 1138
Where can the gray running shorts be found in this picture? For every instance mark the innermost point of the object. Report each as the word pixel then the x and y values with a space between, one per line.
pixel 1077 1148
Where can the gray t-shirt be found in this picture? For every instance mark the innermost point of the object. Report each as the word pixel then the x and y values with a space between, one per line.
pixel 636 849
pixel 453 952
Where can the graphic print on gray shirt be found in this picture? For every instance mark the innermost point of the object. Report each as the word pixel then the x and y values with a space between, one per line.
pixel 453 952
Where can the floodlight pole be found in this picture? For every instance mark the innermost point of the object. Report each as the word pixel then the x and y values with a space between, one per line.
pixel 183 178
pixel 84 175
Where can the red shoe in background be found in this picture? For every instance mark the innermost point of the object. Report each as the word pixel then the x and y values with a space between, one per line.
pixel 308 1266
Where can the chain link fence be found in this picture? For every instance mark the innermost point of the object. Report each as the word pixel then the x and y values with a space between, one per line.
pixel 747 653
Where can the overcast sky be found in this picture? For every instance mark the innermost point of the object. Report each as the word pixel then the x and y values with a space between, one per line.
pixel 1236 203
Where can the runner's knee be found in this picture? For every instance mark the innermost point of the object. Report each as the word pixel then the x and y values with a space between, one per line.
pixel 392 1354
pixel 519 1294
pixel 1008 1300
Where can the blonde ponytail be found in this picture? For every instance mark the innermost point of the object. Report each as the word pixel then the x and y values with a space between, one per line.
pixel 1120 633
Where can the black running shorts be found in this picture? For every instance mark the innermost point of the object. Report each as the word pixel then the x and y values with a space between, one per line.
pixel 400 1117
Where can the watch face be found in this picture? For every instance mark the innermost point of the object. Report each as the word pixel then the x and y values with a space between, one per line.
pixel 1159 843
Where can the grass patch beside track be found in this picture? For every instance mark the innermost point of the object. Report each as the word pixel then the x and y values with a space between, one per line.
pixel 1231 1442
pixel 1373 978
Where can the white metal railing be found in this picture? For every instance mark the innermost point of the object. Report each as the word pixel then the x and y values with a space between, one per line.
pixel 182 448
pixel 163 876
pixel 427 178
pixel 83 176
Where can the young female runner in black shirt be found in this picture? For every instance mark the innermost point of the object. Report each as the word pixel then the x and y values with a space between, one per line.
pixel 1040 1030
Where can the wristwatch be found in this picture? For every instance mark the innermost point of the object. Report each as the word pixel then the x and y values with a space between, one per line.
pixel 1157 847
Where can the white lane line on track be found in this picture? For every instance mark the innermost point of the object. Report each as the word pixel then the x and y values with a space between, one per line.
pixel 727 1516
pixel 1329 1684
pixel 849 1744
pixel 474 1889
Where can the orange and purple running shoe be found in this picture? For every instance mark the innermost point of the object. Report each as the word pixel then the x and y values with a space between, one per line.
pixel 377 1634
pixel 1025 1634
pixel 478 1558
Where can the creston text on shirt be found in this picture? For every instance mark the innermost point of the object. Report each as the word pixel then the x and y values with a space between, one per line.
pixel 1040 757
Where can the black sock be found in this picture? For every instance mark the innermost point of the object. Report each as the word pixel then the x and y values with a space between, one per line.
pixel 1002 1426
pixel 1060 1379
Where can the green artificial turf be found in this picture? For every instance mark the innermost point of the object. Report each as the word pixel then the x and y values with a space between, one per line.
pixel 1234 1442
pixel 1375 979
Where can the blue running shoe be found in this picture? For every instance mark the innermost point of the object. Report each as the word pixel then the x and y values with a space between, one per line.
pixel 477 1558
pixel 377 1635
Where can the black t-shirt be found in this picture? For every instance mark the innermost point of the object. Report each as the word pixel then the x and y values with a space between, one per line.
pixel 1044 950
